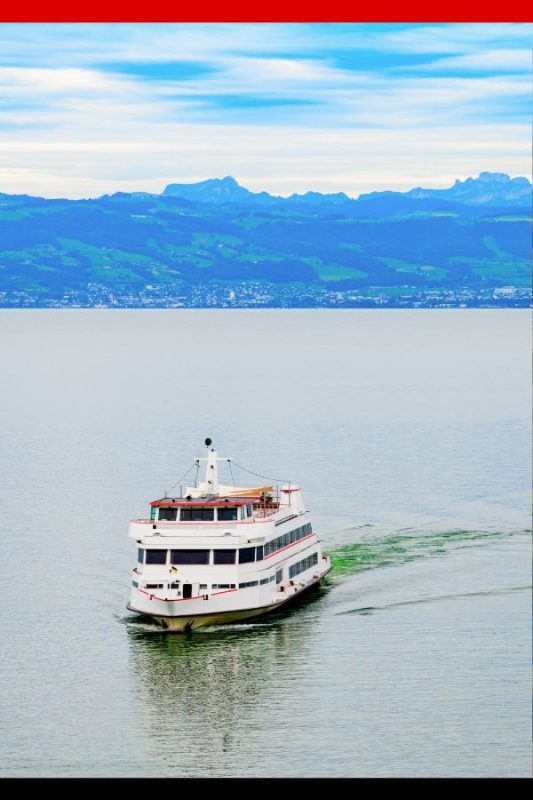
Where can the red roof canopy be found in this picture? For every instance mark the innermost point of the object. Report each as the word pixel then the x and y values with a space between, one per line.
pixel 219 502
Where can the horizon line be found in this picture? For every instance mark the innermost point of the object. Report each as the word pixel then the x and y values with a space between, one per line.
pixel 263 191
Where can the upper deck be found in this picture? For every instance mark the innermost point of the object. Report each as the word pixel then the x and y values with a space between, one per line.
pixel 215 516
pixel 213 510
pixel 214 507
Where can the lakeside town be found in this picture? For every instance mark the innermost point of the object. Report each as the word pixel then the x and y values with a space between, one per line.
pixel 262 295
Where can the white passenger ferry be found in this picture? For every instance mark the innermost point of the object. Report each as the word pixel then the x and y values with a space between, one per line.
pixel 220 554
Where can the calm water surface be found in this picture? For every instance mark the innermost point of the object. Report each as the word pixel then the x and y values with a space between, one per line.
pixel 409 432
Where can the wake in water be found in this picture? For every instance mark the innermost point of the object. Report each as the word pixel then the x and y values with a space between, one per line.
pixel 376 549
pixel 436 599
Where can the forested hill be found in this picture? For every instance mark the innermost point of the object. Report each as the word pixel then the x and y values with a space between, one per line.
pixel 473 237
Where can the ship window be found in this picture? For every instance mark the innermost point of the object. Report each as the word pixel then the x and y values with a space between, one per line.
pixel 249 510
pixel 247 585
pixel 279 576
pixel 224 556
pixel 169 514
pixel 267 580
pixel 189 556
pixel 223 586
pixel 246 555
pixel 301 566
pixel 153 513
pixel 156 556
pixel 154 585
pixel 196 514
pixel 134 583
pixel 259 553
pixel 229 513
pixel 287 539
pixel 175 585
pixel 203 586
pixel 140 555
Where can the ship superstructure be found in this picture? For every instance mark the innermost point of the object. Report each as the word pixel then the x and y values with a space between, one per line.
pixel 223 553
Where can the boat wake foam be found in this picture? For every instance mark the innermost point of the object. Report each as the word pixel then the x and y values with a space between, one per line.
pixel 390 548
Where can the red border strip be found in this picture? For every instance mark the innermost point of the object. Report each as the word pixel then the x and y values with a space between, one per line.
pixel 273 11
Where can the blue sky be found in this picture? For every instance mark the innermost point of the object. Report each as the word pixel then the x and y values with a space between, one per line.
pixel 87 109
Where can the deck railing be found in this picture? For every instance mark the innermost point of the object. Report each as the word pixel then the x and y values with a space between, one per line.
pixel 262 510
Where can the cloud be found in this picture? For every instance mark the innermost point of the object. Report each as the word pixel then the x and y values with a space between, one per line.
pixel 101 107
pixel 130 43
pixel 518 60
pixel 351 160
pixel 457 39
pixel 33 81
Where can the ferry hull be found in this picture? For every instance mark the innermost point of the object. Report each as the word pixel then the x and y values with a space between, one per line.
pixel 187 623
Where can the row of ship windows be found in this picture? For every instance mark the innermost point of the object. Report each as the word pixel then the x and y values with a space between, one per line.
pixel 214 586
pixel 288 538
pixel 246 555
pixel 302 565
pixel 199 514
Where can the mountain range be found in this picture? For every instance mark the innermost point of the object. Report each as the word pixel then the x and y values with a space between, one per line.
pixel 474 235
pixel 489 188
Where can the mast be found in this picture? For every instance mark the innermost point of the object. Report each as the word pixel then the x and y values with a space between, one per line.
pixel 211 469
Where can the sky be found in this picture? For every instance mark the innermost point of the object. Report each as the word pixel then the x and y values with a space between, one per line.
pixel 87 109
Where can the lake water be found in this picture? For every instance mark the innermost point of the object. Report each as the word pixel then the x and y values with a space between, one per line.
pixel 409 432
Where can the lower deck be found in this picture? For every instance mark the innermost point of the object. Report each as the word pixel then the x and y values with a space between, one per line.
pixel 186 621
